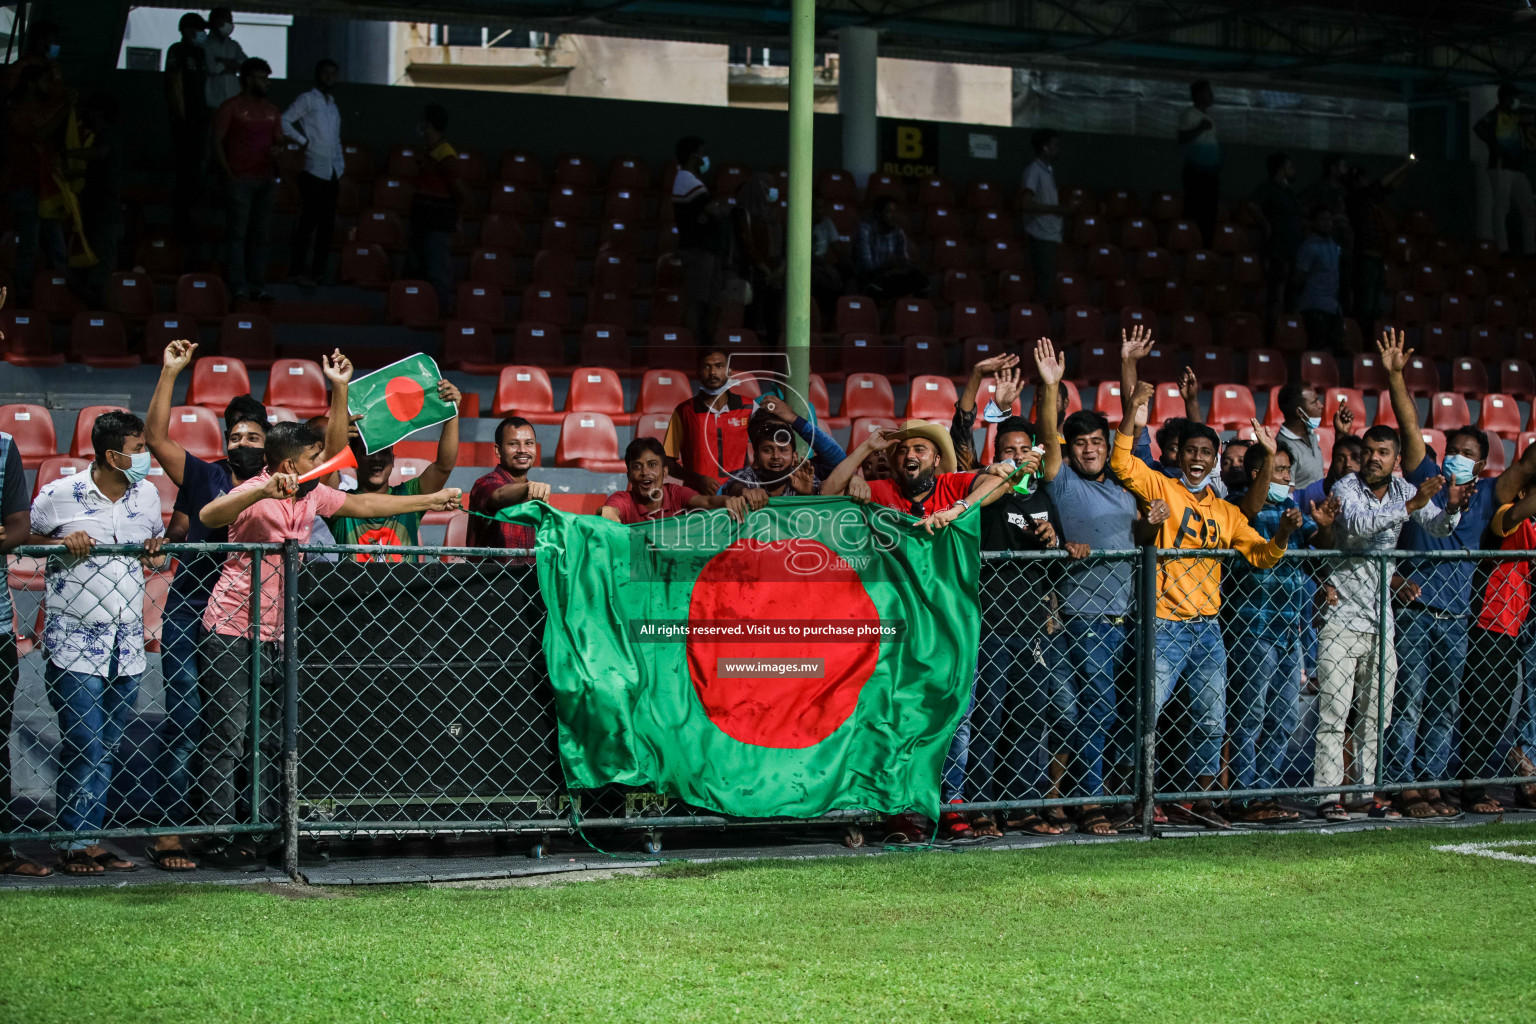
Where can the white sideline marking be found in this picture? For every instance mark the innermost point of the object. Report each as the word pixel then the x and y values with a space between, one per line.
pixel 1491 850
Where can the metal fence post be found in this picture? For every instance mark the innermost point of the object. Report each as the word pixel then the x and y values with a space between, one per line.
pixel 291 708
pixel 1383 623
pixel 255 710
pixel 1146 673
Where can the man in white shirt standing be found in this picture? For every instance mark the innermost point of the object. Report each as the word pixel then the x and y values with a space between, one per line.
pixel 224 58
pixel 1043 212
pixel 313 120
pixel 1202 161
pixel 93 633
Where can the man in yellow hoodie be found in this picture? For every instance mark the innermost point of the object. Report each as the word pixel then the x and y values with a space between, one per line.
pixel 1189 641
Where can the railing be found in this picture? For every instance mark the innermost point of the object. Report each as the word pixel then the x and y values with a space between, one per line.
pixel 408 693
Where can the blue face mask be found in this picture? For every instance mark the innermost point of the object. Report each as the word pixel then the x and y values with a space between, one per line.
pixel 704 165
pixel 773 195
pixel 53 51
pixel 1313 422
pixel 138 467
pixel 1278 492
pixel 1459 468
pixel 1202 485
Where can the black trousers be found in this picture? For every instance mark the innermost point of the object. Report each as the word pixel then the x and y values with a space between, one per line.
pixel 313 231
pixel 1487 694
pixel 1202 193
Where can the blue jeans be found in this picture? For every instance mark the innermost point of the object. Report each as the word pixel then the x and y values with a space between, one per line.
pixel 1094 657
pixel 1525 716
pixel 93 712
pixel 1264 686
pixel 250 226
pixel 1431 657
pixel 1011 682
pixel 1193 651
pixel 181 729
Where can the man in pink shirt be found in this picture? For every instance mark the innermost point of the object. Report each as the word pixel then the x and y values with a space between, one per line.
pixel 649 496
pixel 267 509
pixel 247 136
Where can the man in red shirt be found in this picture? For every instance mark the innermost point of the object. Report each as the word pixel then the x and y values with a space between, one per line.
pixel 707 438
pixel 517 451
pixel 649 496
pixel 247 137
pixel 923 483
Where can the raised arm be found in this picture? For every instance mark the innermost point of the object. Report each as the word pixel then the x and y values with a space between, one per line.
pixel 837 482
pixel 338 370
pixel 436 475
pixel 1052 368
pixel 361 505
pixel 1508 518
pixel 1189 390
pixel 226 508
pixel 981 371
pixel 171 456
pixel 1134 347
pixel 1394 357
pixel 1258 490
pixel 1136 476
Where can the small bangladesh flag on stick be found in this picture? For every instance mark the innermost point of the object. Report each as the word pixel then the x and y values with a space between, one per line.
pixel 397 401
pixel 817 657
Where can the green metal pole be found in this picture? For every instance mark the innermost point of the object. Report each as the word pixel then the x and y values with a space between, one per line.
pixel 797 285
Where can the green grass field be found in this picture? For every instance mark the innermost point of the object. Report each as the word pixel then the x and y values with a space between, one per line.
pixel 1372 926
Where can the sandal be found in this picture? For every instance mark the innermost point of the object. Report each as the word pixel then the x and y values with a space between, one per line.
pixel 1413 805
pixel 984 827
pixel 1377 809
pixel 159 857
pixel 1439 803
pixel 17 865
pixel 952 826
pixel 229 857
pixel 1095 822
pixel 1056 816
pixel 1034 825
pixel 78 862
pixel 1480 803
pixel 1333 812
pixel 110 861
pixel 1261 812
pixel 1280 813
pixel 1198 812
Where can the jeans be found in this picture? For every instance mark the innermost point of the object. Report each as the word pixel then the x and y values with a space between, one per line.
pixel 1096 652
pixel 1525 718
pixel 432 258
pixel 33 231
pixel 1014 683
pixel 1493 673
pixel 313 231
pixel 1431 660
pixel 1042 263
pixel 181 729
pixel 1262 694
pixel 1192 651
pixel 250 225
pixel 226 712
pixel 93 712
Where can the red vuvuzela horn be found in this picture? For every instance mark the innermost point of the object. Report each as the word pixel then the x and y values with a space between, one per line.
pixel 343 459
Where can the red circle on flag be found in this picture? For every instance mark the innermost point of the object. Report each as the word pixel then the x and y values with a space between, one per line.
pixel 753 582
pixel 404 398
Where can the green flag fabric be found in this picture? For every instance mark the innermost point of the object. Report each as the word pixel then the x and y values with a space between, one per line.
pixel 817 657
pixel 397 401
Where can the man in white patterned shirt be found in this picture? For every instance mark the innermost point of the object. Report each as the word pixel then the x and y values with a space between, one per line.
pixel 1372 507
pixel 94 623
pixel 314 122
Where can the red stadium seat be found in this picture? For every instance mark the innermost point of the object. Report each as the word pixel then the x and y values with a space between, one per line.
pixel 57 467
pixel 1440 341
pixel 1105 261
pixel 1210 362
pixel 547 304
pixel 836 184
pixel 412 303
pixel 1498 312
pixel 1469 376
pixel 962 286
pixel 662 390
pixel 1121 203
pixel 162 329
pixel 482 303
pixel 977 349
pixel 1333 396
pixel 973 320
pixel 922 354
pixel 298 384
pixel 597 389
pixel 862 353
pixel 1090 231
pixel 1232 406
pixel 539 344
pixel 503 231
pixel 913 317
pixel 1421 376
pixel 380 227
pixel 935 192
pixel 472 167
pixel 1247 271
pixel 521 168
pixel 1266 369
pixel 1082 325
pixel 51 295
pixel 1500 414
pixel 1070 289
pixel 984 195
pixel 1098 362
pixel 653 424
pixel 80 447
pixel 993 226
pixel 1107 403
pixel 247 337
pixel 1242 331
pixel 1028 321
pixel 99 340
pixel 526 391
pixel 951 253
pixel 575 170
pixel 615 272
pixel 1434 440
pixel 197 429
pixel 1203 266
pixel 216 380
pixel 561 233
pixel 1290 334
pixel 867 394
pixel 29 338
pixel 1167 403
pixel 494 267
pixel 863 426
pixel 511 198
pixel 1191 329
pixel 1526 437
pixel 1319 370
pixel 131 296
pixel 1138 233
pixel 1183 236
pixel 604 345
pixel 1498 457
pixel 365 265
pixel 1132 317
pixel 469 347
pixel 857 314
pixel 1516 378
pixel 589 441
pixel 1448 410
pixel 629 172
pixel 32 428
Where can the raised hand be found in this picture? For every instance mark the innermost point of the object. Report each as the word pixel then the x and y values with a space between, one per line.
pixel 1052 367
pixel 881 440
pixel 178 355
pixel 988 367
pixel 1394 357
pixel 337 367
pixel 1325 512
pixel 448 393
pixel 1343 419
pixel 1008 382
pixel 1143 394
pixel 1135 346
pixel 1459 494
pixel 1262 435
pixel 778 409
pixel 1189 384
pixel 1290 522
pixel 803 479
pixel 1157 512
pixel 1428 489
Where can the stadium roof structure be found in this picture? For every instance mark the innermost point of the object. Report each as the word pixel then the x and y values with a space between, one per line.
pixel 1396 47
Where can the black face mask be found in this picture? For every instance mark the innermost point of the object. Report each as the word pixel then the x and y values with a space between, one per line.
pixel 307 486
pixel 246 461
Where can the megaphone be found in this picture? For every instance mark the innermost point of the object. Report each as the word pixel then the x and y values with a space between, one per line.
pixel 343 459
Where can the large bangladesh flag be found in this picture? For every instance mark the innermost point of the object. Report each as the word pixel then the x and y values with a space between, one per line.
pixel 817 657
pixel 397 401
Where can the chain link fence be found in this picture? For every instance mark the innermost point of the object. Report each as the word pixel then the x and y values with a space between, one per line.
pixel 405 692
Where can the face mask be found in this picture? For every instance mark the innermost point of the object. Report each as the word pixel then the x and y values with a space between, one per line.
pixel 53 51
pixel 138 467
pixel 704 165
pixel 773 195
pixel 1313 422
pixel 201 37
pixel 324 87
pixel 307 486
pixel 1514 104
pixel 225 30
pixel 1459 468
pixel 246 461
pixel 1278 492
pixel 994 413
pixel 1205 482
pixel 712 392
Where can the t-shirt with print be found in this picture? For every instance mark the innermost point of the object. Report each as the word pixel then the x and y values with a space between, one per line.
pixel 947 489
pixel 674 501
pixel 401 529
pixel 251 127
pixel 201 482
pixel 269 521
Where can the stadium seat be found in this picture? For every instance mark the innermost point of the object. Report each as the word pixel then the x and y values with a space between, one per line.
pixel 1090 231
pixel 1498 312
pixel 1191 329
pixel 1483 342
pixel 131 296
pixel 615 272
pixel 494 267
pixel 51 295
pixel 1500 414
pixel 1082 325
pixel 1319 370
pixel 1386 416
pixel 1098 362
pixel 1498 457
pixel 482 303
pixel 503 231
pixel 867 394
pixel 913 317
pixel 548 304
pixel 597 389
pixel 1183 236
pixel 1440 341
pixel 1469 376
pixel 589 441
pixel 247 337
pixel 838 185
pixel 472 166
pixel 963 286
pixel 1105 261
pixel 1132 317
pixel 1210 362
pixel 575 170
pixel 57 467
pixel 1333 396
pixel 539 344
pixel 364 265
pixel 32 428
pixel 1290 334
pixel 1107 403
pixel 993 226
pixel 662 390
pixel 972 320
pixel 521 168
pixel 298 384
pixel 863 426
pixel 469 347
pixel 653 424
pixel 1232 406
pixel 950 253
pixel 857 314
pixel 1422 376
pixel 935 192
pixel 1120 203
pixel 28 338
pixel 1447 410
pixel 163 328
pixel 1120 292
pixel 669 346
pixel 1070 289
pixel 216 380
pixel 1247 271
pixel 1526 437
pixel 977 349
pixel 411 303
pixel 1455 310
pixel 511 198
pixel 860 353
pixel 984 195
pixel 1203 266
pixel 383 228
pixel 197 429
pixel 161 257
pixel 1028 321
pixel 604 344
pixel 1167 403
pixel 1434 440
pixel 1266 369
pixel 99 340
pixel 922 354
pixel 526 391
pixel 80 446
pixel 1516 378
pixel 562 233
pixel 629 172
pixel 1242 331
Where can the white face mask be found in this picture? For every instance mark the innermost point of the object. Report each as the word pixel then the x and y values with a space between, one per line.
pixel 704 165
pixel 225 31
pixel 201 37
pixel 138 467
pixel 773 195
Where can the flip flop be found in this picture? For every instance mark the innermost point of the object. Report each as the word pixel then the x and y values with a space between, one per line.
pixel 158 858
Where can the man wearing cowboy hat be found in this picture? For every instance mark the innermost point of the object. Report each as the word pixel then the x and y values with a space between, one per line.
pixel 924 483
